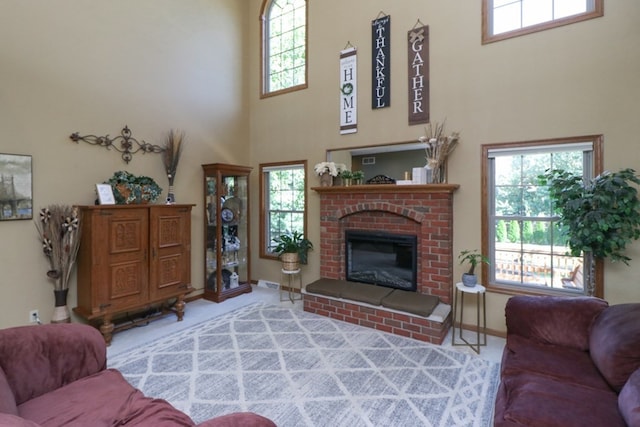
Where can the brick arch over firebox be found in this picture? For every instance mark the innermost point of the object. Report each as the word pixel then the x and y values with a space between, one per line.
pixel 423 210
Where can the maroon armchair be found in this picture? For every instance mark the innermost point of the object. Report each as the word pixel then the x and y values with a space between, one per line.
pixel 55 375
pixel 569 362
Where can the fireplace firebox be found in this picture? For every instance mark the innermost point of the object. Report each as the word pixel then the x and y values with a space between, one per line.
pixel 382 259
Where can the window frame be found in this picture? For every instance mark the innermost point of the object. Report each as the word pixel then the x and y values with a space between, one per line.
pixel 264 56
pixel 487 21
pixel 486 206
pixel 263 227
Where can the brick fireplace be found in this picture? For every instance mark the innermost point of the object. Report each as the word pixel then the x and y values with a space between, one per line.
pixel 422 210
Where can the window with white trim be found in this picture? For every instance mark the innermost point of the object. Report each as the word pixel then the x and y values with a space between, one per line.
pixel 282 202
pixel 284 46
pixel 527 248
pixel 502 19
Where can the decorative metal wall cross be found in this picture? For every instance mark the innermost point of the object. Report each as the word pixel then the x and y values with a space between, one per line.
pixel 123 143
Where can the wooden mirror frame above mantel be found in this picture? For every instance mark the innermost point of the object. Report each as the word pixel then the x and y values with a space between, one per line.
pixel 394 159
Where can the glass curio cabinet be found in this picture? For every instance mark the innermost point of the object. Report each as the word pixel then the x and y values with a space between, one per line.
pixel 226 205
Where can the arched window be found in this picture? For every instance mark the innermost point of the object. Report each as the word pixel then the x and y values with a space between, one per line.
pixel 284 46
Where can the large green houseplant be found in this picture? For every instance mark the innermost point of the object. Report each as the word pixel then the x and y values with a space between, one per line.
pixel 292 248
pixel 601 216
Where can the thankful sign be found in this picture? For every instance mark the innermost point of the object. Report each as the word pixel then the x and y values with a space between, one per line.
pixel 381 62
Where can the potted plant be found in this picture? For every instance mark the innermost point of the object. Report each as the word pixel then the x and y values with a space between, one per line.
pixel 346 176
pixel 358 176
pixel 292 249
pixel 473 257
pixel 600 216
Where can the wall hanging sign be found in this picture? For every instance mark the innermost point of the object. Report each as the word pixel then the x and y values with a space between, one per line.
pixel 418 73
pixel 348 90
pixel 381 61
pixel 16 200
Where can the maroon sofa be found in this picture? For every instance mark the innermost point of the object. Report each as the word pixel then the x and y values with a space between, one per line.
pixel 55 375
pixel 569 362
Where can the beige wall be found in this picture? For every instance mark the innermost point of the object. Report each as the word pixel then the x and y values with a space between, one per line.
pixel 93 67
pixel 575 80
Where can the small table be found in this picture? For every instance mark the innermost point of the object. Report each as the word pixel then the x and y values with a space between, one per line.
pixel 289 277
pixel 458 305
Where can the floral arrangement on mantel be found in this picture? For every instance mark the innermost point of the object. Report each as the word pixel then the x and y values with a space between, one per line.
pixel 59 232
pixel 171 157
pixel 331 168
pixel 327 171
pixel 439 148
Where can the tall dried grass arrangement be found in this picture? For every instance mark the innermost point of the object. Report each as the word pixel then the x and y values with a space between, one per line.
pixel 439 147
pixel 171 153
pixel 59 232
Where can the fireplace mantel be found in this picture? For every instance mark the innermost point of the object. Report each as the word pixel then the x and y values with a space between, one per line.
pixel 387 188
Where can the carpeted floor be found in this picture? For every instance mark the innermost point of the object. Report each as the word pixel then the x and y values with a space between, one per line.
pixel 300 369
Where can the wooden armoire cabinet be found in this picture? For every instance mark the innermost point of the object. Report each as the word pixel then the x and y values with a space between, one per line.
pixel 226 211
pixel 131 258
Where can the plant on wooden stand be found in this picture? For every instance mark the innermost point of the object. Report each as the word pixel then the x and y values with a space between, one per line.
pixel 170 159
pixel 292 249
pixel 601 215
pixel 473 257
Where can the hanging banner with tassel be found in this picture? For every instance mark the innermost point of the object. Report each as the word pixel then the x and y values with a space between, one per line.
pixel 348 90
pixel 381 61
pixel 418 78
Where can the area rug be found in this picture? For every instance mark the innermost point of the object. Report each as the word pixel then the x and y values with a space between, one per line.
pixel 301 369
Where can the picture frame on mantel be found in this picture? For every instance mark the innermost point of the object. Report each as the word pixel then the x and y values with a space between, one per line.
pixel 16 188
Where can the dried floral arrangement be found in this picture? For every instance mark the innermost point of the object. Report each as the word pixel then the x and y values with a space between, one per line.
pixel 59 232
pixel 439 147
pixel 172 152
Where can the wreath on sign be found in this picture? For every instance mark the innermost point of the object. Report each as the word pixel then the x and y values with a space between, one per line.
pixel 347 89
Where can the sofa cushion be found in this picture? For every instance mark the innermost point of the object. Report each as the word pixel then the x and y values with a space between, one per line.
pixel 629 400
pixel 537 400
pixel 7 400
pixel 9 420
pixel 103 399
pixel 565 364
pixel 411 302
pixel 555 320
pixel 362 292
pixel 615 343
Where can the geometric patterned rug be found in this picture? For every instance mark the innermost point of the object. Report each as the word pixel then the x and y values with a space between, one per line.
pixel 301 369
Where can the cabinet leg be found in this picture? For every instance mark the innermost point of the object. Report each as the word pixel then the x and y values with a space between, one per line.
pixel 106 329
pixel 179 307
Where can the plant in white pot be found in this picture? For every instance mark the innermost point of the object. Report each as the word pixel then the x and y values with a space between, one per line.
pixel 292 249
pixel 473 258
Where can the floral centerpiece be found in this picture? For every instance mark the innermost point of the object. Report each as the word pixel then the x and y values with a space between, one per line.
pixel 439 147
pixel 327 171
pixel 59 232
pixel 129 188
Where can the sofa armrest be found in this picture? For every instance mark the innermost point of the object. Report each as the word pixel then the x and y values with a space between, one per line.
pixel 16 421
pixel 563 321
pixel 41 358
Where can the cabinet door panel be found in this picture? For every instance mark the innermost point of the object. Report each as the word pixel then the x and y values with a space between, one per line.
pixel 170 266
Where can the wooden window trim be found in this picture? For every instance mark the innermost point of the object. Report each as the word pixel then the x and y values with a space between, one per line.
pixel 598 167
pixel 263 54
pixel 263 204
pixel 487 37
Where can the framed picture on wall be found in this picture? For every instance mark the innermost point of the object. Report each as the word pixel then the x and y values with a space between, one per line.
pixel 16 199
pixel 105 194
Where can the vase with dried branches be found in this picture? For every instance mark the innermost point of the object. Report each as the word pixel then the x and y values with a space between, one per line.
pixel 439 147
pixel 59 231
pixel 170 157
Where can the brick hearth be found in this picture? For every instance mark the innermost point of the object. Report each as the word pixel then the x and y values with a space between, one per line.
pixel 423 210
